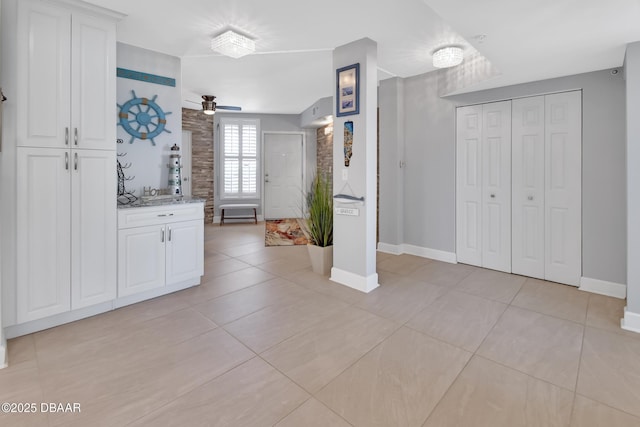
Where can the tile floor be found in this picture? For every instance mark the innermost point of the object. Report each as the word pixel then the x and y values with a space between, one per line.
pixel 263 341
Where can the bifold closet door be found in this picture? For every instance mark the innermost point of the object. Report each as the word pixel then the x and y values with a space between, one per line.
pixel 547 156
pixel 528 187
pixel 469 184
pixel 563 187
pixel 483 199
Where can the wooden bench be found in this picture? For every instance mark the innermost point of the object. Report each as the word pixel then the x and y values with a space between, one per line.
pixel 231 206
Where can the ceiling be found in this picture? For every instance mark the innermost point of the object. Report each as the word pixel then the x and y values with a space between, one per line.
pixel 292 68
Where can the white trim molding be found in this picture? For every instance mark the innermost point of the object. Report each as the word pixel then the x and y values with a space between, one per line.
pixel 360 283
pixel 603 287
pixel 3 354
pixel 630 321
pixel 404 248
pixel 388 248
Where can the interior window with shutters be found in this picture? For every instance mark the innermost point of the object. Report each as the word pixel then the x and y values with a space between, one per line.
pixel 239 158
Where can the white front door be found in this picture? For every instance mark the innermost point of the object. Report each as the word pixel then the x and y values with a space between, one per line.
pixel 528 187
pixel 186 163
pixel 496 186
pixel 283 190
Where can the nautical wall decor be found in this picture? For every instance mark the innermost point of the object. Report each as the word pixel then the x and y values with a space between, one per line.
pixel 175 180
pixel 142 118
pixel 348 142
pixel 145 77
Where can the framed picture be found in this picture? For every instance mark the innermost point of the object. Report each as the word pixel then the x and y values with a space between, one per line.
pixel 348 90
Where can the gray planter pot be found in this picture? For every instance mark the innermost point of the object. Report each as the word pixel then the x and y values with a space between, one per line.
pixel 321 259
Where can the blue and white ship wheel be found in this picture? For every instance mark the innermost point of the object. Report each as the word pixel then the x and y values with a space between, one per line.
pixel 142 118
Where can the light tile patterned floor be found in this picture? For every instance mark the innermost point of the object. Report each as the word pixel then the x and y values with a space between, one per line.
pixel 266 342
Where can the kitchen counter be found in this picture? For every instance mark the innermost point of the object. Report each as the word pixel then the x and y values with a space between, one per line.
pixel 161 201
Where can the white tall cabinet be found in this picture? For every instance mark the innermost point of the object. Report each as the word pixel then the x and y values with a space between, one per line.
pixel 66 213
pixel 519 186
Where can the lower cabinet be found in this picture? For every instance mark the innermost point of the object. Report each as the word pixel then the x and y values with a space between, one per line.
pixel 66 231
pixel 170 252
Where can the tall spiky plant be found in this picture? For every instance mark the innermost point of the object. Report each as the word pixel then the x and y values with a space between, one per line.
pixel 320 205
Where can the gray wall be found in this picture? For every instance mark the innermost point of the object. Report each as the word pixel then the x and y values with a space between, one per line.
pixel 391 129
pixel 268 123
pixel 632 63
pixel 429 208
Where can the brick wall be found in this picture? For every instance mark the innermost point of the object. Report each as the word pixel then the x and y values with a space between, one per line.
pixel 201 127
pixel 325 152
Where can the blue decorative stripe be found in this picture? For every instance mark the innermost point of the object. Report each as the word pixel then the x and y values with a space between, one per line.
pixel 145 77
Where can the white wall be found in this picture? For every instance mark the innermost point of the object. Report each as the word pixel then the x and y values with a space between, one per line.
pixel 149 162
pixel 3 340
pixel 429 176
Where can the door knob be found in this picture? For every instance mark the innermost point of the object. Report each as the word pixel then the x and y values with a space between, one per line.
pixel 530 198
pixel 493 196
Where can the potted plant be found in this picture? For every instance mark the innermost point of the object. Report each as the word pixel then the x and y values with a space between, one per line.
pixel 320 225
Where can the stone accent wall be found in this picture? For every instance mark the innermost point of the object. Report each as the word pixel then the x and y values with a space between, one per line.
pixel 324 151
pixel 201 127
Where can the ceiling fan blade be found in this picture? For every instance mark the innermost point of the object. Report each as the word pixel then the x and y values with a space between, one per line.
pixel 228 107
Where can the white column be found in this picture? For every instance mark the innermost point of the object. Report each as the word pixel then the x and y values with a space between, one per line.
pixel 354 237
pixel 631 320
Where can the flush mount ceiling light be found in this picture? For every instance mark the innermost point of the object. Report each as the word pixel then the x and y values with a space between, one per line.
pixel 233 44
pixel 448 56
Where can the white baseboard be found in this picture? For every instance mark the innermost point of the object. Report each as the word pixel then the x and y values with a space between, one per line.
pixel 404 248
pixel 602 287
pixel 436 254
pixel 14 331
pixel 355 281
pixel 630 321
pixel 3 354
pixel 388 248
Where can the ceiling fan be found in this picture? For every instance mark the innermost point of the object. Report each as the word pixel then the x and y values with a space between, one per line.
pixel 209 105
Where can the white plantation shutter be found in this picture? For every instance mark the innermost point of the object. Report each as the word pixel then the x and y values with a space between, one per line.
pixel 240 158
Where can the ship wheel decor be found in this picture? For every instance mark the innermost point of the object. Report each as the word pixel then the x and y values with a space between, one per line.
pixel 142 118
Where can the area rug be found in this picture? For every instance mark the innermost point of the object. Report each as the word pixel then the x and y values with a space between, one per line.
pixel 284 232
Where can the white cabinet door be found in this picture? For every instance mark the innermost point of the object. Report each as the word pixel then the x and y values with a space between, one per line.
pixel 44 70
pixel 496 186
pixel 185 251
pixel 528 187
pixel 93 56
pixel 141 259
pixel 563 169
pixel 94 228
pixel 43 230
pixel 469 185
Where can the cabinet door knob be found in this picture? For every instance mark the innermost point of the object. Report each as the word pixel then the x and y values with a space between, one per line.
pixel 493 196
pixel 75 136
pixel 66 161
pixel 530 198
pixel 66 136
pixel 75 161
pixel 162 236
pixel 169 234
